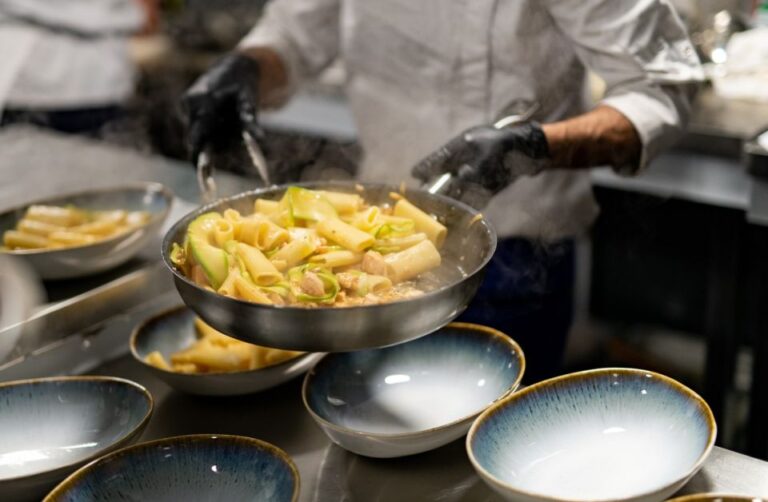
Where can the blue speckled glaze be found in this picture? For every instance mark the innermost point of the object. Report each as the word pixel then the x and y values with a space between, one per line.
pixel 49 423
pixel 425 383
pixel 167 333
pixel 186 468
pixel 637 429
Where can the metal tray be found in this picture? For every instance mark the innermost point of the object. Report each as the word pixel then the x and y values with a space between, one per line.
pixel 78 334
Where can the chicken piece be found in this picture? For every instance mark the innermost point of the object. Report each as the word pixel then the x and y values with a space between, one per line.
pixel 374 264
pixel 312 285
pixel 347 280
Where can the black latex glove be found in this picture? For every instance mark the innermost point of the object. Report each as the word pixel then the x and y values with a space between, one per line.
pixel 223 102
pixel 488 157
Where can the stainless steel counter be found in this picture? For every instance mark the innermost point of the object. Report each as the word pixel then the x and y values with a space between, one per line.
pixel 36 164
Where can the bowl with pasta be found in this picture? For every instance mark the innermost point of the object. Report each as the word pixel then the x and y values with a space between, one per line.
pixel 190 356
pixel 331 266
pixel 84 233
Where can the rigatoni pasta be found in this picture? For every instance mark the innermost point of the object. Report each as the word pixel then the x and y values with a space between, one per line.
pixel 50 227
pixel 412 261
pixel 312 248
pixel 434 230
pixel 214 352
pixel 345 235
pixel 262 271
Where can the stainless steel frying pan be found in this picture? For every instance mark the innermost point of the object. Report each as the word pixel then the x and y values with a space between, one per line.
pixel 469 246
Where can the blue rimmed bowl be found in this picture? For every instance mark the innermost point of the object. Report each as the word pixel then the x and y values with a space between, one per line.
pixel 605 434
pixel 717 497
pixel 78 261
pixel 49 427
pixel 174 330
pixel 412 397
pixel 199 467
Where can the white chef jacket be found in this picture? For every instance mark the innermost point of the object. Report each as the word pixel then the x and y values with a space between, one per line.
pixel 421 71
pixel 64 54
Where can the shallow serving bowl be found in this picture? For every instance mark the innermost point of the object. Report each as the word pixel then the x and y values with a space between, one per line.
pixel 78 261
pixel 174 330
pixel 415 396
pixel 20 294
pixel 606 434
pixel 51 426
pixel 197 467
pixel 468 247
pixel 716 497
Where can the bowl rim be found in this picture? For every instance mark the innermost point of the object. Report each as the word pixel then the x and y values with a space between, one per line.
pixel 139 329
pixel 145 186
pixel 167 244
pixel 129 435
pixel 276 451
pixel 693 497
pixel 476 329
pixel 501 404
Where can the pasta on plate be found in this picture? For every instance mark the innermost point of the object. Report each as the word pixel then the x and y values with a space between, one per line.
pixel 52 227
pixel 313 248
pixel 214 352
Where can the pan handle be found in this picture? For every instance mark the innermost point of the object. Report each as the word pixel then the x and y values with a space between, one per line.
pixel 518 118
pixel 205 181
pixel 448 184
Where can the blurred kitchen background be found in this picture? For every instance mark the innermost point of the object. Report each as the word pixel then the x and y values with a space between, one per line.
pixel 674 275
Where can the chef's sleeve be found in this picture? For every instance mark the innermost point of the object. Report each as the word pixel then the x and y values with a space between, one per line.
pixel 85 18
pixel 641 50
pixel 304 33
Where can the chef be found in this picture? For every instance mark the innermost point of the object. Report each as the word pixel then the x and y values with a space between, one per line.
pixel 64 64
pixel 426 80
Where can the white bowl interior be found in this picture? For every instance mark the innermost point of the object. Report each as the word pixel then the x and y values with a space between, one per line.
pixel 50 424
pixel 593 437
pixel 419 385
pixel 20 294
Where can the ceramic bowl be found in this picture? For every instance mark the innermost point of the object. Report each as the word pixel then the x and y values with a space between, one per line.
pixel 51 426
pixel 412 397
pixel 717 497
pixel 174 330
pixel 78 261
pixel 20 294
pixel 606 434
pixel 198 467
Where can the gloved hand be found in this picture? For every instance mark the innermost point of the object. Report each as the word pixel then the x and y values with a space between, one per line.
pixel 488 157
pixel 223 102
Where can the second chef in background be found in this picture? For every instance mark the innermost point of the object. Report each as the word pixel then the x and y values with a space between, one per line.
pixel 65 64
pixel 432 76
